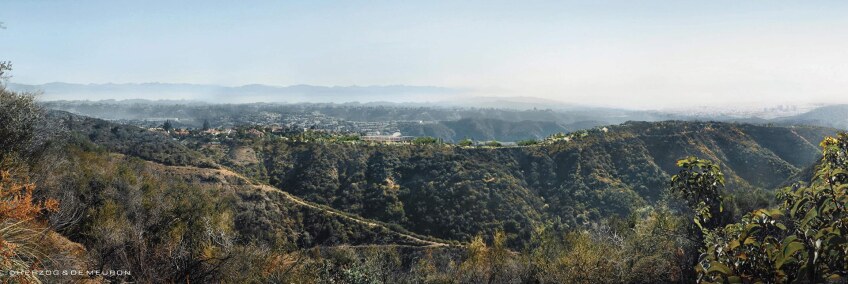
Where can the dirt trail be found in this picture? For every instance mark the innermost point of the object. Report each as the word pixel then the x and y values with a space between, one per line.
pixel 805 139
pixel 297 200
pixel 364 221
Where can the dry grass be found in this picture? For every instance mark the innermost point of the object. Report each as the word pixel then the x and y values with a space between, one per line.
pixel 21 234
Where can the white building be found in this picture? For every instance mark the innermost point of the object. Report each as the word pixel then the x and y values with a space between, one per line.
pixel 395 137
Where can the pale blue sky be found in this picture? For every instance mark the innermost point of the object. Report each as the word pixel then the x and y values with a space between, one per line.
pixel 617 53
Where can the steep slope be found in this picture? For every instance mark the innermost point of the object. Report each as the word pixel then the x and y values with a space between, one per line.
pixel 255 194
pixel 455 193
pixel 261 214
pixel 102 154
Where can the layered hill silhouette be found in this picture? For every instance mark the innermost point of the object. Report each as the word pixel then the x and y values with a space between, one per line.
pixel 832 116
pixel 454 193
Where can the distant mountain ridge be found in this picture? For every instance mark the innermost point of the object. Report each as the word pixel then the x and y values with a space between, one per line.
pixel 831 116
pixel 238 94
pixel 387 95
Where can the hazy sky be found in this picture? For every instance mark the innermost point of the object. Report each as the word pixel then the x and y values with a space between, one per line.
pixel 615 53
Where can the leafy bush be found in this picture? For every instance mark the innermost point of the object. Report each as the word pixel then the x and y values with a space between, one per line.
pixel 425 140
pixel 800 241
pixel 493 144
pixel 466 142
pixel 21 119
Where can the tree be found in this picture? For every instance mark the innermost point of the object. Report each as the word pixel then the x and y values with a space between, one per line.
pixel 493 144
pixel 466 142
pixel 20 237
pixel 167 125
pixel 19 121
pixel 206 125
pixel 5 67
pixel 802 241
pixel 700 184
pixel 425 140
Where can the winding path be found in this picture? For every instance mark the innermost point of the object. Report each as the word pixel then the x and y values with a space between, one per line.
pixel 297 200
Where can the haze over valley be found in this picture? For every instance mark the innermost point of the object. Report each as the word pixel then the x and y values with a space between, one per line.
pixel 435 142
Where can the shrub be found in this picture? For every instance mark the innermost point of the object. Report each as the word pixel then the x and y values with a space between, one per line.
pixel 20 240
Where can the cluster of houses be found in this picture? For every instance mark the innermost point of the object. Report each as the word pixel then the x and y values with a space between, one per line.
pixel 214 134
pixel 394 137
pixel 371 136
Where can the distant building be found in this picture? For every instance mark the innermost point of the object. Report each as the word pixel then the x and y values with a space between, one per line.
pixel 161 119
pixel 159 130
pixel 396 137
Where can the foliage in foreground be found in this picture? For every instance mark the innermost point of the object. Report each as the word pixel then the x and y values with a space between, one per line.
pixel 25 241
pixel 21 247
pixel 802 240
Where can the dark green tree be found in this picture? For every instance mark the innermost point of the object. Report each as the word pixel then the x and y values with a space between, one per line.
pixel 700 184
pixel 167 125
pixel 381 196
pixel 425 140
pixel 20 118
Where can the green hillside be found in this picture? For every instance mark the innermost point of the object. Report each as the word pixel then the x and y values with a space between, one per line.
pixel 172 211
pixel 458 192
pixel 455 193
